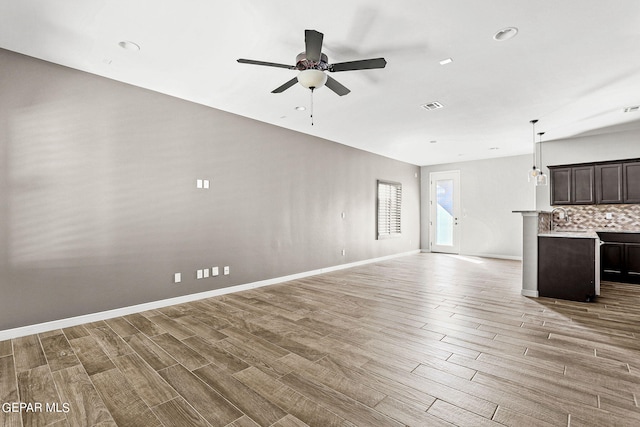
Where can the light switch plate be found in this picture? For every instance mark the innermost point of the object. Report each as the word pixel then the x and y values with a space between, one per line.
pixel 206 273
pixel 226 270
pixel 199 183
pixel 177 278
pixel 199 274
pixel 206 183
pixel 215 271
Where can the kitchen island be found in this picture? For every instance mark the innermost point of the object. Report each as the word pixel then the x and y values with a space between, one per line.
pixel 569 265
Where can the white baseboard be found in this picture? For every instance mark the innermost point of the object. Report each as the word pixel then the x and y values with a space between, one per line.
pixel 530 293
pixel 109 314
pixel 498 256
pixel 482 255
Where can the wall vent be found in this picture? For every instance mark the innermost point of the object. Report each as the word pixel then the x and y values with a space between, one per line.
pixel 631 109
pixel 432 105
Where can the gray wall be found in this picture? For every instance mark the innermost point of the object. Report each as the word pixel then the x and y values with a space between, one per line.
pixel 490 190
pixel 100 208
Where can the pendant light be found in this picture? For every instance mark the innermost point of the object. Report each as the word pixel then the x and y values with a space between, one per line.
pixel 533 173
pixel 541 179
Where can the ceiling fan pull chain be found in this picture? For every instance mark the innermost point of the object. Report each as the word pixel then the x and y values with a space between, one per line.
pixel 312 106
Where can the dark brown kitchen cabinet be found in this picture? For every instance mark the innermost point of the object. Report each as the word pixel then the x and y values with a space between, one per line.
pixel 560 186
pixel 596 183
pixel 582 185
pixel 632 258
pixel 567 268
pixel 572 185
pixel 609 183
pixel 620 256
pixel 612 260
pixel 631 182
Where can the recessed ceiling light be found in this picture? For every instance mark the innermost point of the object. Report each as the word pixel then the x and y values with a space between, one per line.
pixel 301 108
pixel 505 34
pixel 128 45
pixel 446 61
pixel 631 109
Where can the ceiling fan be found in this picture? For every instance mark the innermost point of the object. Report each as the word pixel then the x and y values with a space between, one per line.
pixel 312 64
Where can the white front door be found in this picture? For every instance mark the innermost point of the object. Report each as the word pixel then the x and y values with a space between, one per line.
pixel 445 211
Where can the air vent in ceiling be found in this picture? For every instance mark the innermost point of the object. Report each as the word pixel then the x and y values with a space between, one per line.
pixel 631 109
pixel 432 105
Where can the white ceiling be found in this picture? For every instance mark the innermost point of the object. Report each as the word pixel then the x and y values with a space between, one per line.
pixel 574 65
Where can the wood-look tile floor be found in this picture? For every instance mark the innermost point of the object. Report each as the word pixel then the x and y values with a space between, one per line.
pixel 428 339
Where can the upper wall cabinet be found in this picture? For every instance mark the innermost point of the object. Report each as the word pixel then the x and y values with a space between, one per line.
pixel 631 181
pixel 609 183
pixel 582 188
pixel 560 186
pixel 596 183
pixel 572 185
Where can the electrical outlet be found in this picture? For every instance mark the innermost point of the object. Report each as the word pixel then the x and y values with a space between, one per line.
pixel 226 270
pixel 177 278
pixel 206 273
pixel 199 274
pixel 215 271
pixel 608 215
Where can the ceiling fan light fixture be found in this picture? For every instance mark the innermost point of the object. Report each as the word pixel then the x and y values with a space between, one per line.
pixel 312 78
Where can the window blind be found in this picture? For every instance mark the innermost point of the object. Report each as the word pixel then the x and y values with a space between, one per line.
pixel 389 209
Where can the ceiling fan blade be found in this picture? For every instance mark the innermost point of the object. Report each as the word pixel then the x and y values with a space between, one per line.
pixel 268 64
pixel 364 64
pixel 285 86
pixel 313 43
pixel 336 87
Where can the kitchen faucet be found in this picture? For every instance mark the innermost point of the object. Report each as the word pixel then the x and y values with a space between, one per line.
pixel 563 212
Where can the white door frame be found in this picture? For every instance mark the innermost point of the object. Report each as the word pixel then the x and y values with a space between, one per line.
pixel 454 246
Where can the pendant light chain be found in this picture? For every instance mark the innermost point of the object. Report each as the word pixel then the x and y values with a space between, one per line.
pixel 540 144
pixel 541 179
pixel 533 123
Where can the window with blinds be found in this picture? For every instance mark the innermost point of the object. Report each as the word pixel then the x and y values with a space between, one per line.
pixel 389 209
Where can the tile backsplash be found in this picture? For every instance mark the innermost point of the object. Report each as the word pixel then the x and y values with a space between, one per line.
pixel 593 217
pixel 544 222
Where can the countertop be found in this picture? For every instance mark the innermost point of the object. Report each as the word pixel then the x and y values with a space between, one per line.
pixel 584 234
pixel 587 234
